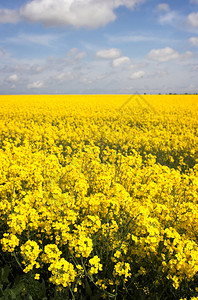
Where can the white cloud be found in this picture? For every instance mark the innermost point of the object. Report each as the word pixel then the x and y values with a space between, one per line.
pixel 65 76
pixel 186 55
pixel 120 61
pixel 80 55
pixel 192 19
pixel 137 75
pixel 166 54
pixel 78 13
pixel 108 53
pixel 194 41
pixel 163 7
pixel 13 78
pixel 163 55
pixel 74 54
pixel 35 85
pixel 70 12
pixel 168 17
pixel 9 16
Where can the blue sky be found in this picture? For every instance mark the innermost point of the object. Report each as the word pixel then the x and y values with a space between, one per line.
pixel 98 46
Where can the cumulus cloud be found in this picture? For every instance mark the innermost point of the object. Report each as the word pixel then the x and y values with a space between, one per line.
pixel 194 41
pixel 163 55
pixel 70 12
pixel 163 7
pixel 192 19
pixel 35 85
pixel 13 78
pixel 120 61
pixel 9 16
pixel 78 13
pixel 137 75
pixel 166 54
pixel 108 53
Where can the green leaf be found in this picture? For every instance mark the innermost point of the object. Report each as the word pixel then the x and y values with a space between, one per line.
pixel 1 290
pixel 43 289
pixel 16 290
pixel 88 289
pixel 5 273
pixel 12 294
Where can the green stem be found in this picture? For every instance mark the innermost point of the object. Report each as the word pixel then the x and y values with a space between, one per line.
pixel 18 262
pixel 13 189
pixel 71 293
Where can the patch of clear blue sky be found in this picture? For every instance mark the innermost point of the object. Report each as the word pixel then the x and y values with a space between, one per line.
pixel 10 4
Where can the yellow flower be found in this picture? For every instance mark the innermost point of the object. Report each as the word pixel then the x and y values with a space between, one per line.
pixel 63 272
pixel 95 265
pixel 87 184
pixel 37 276
pixel 30 252
pixel 122 269
pixel 9 242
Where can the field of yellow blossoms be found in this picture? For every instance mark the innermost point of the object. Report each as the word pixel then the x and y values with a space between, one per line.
pixel 99 197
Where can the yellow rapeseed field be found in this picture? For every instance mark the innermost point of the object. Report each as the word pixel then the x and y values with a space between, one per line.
pixel 99 195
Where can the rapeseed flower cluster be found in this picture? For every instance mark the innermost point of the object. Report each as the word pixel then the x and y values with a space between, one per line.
pixel 95 265
pixel 63 272
pixel 30 251
pixel 99 195
pixel 9 242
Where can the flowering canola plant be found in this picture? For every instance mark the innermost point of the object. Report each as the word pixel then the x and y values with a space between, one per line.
pixel 97 197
